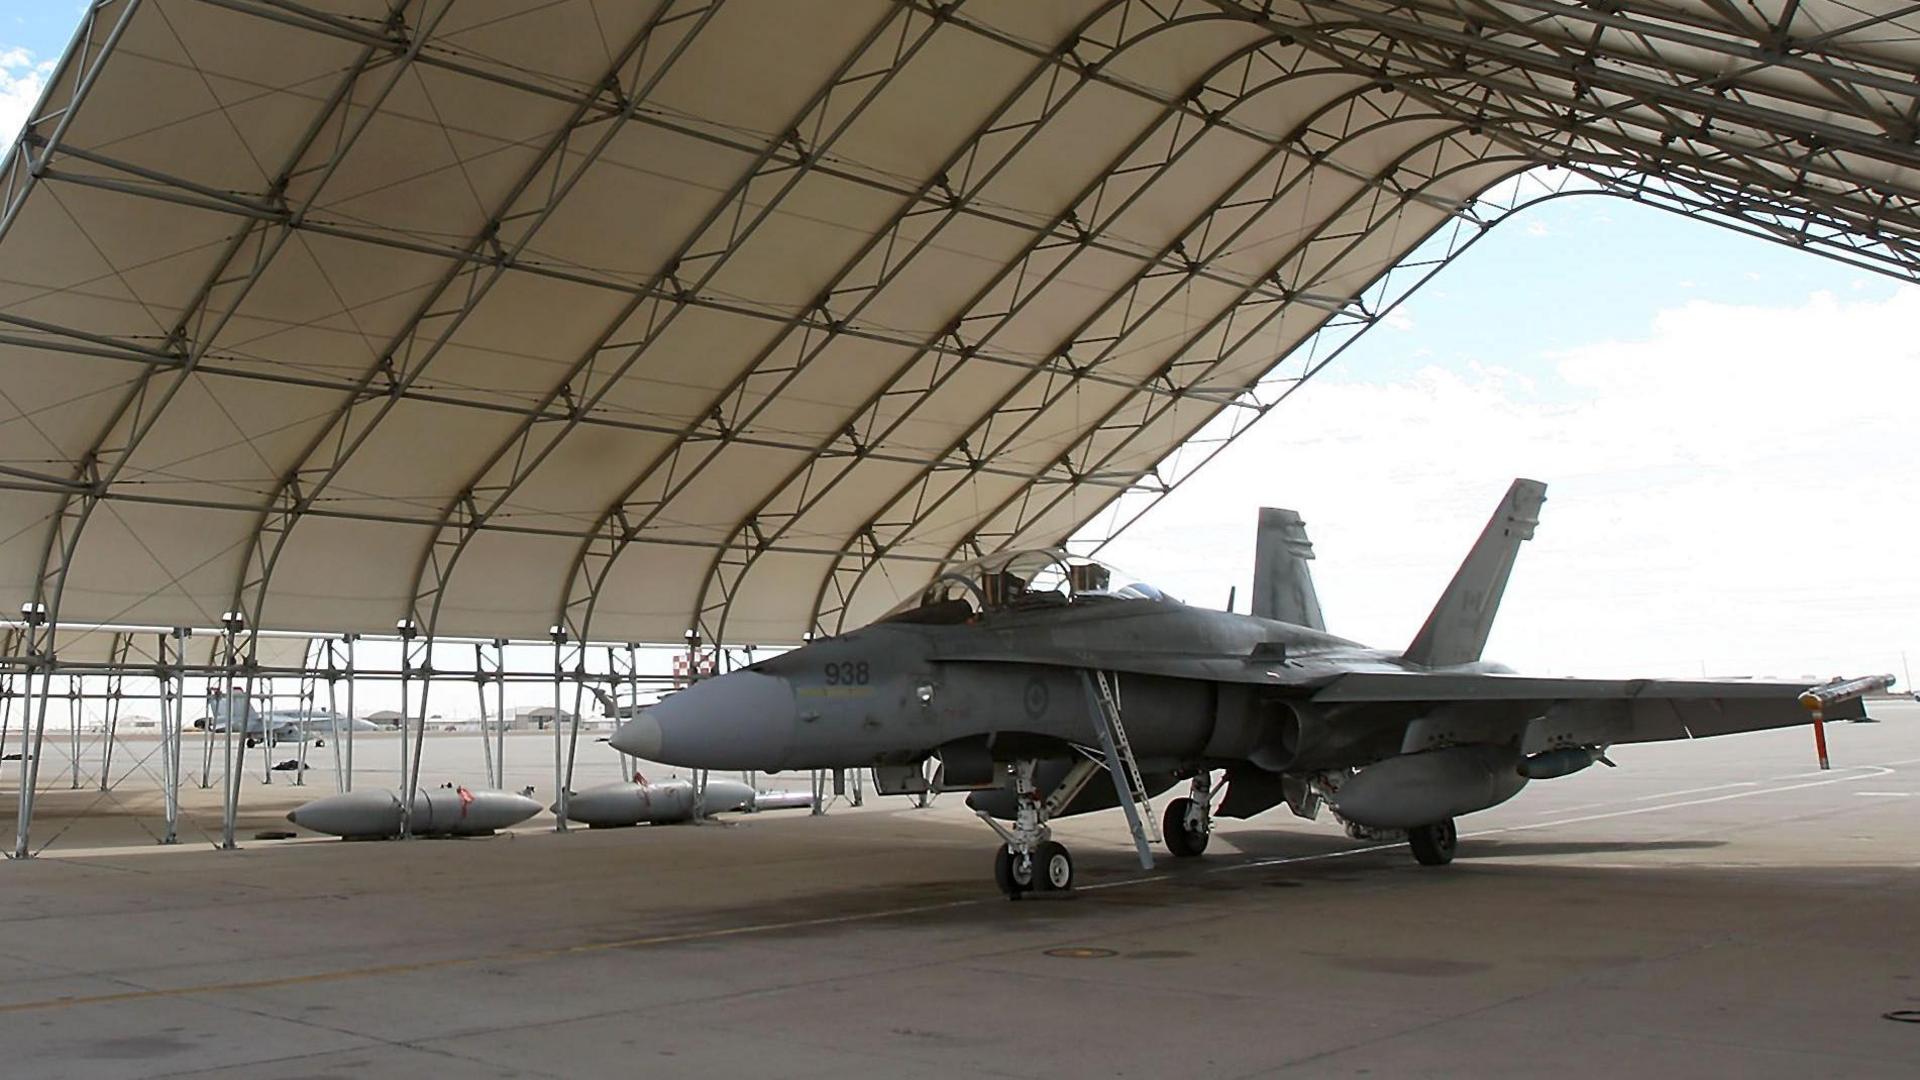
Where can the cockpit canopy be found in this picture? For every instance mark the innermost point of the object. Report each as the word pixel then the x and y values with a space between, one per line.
pixel 1019 580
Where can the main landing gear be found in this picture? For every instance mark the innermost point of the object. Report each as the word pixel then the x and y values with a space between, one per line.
pixel 1188 823
pixel 1030 860
pixel 1434 845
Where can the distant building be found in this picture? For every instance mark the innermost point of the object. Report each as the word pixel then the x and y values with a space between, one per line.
pixel 539 716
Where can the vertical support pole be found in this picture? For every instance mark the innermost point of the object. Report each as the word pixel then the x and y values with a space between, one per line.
pixel 410 763
pixel 6 703
pixel 573 721
pixel 113 729
pixel 352 641
pixel 480 690
pixel 304 694
pixel 268 722
pixel 230 780
pixel 116 677
pixel 628 764
pixel 333 713
pixel 559 635
pixel 172 704
pixel 206 744
pixel 333 704
pixel 500 709
pixel 425 667
pixel 39 654
pixel 1820 735
pixel 73 729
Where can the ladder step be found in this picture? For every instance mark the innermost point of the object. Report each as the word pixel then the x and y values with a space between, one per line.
pixel 1127 783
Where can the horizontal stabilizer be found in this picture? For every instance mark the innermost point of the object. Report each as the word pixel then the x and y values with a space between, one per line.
pixel 1456 632
pixel 1589 712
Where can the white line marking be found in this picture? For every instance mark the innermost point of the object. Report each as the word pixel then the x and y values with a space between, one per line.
pixel 1694 791
pixel 1885 794
pixel 1572 809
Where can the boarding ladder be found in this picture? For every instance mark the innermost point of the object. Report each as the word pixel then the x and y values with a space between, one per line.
pixel 1135 800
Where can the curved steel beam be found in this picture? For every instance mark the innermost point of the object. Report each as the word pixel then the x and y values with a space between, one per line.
pixel 926 503
pixel 434 321
pixel 708 248
pixel 216 300
pixel 982 161
pixel 1028 515
pixel 1214 231
pixel 1427 267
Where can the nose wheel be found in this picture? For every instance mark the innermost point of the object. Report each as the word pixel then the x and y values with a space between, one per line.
pixel 1030 860
pixel 1047 868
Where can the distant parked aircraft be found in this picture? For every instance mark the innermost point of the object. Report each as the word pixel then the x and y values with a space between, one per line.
pixel 276 725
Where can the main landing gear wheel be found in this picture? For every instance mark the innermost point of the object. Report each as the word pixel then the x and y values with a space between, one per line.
pixel 1013 873
pixel 1434 845
pixel 1183 838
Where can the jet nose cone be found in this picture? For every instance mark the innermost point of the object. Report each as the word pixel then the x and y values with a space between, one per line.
pixel 740 721
pixel 639 737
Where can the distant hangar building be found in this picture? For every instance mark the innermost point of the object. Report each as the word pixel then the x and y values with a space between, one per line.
pixel 735 319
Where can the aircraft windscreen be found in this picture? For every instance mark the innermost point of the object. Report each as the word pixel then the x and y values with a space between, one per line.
pixel 1020 580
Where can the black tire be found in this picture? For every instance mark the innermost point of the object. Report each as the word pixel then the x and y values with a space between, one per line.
pixel 1434 845
pixel 1009 874
pixel 1185 843
pixel 1052 868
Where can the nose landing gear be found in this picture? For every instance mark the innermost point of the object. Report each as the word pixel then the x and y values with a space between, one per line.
pixel 1030 860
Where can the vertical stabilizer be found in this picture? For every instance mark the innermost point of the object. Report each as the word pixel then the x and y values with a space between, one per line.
pixel 230 708
pixel 1457 630
pixel 1282 585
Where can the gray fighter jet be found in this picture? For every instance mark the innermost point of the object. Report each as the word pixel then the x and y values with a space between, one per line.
pixel 1027 674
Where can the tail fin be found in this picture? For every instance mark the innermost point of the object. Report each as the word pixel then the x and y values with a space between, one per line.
pixel 1456 631
pixel 230 708
pixel 1282 585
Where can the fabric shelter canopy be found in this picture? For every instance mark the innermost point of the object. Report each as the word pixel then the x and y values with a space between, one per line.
pixel 740 316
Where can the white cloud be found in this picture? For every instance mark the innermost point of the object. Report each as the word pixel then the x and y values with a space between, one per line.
pixel 1399 319
pixel 1731 494
pixel 22 78
pixel 1537 228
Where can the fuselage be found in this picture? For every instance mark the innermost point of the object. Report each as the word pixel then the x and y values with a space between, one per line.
pixel 1013 681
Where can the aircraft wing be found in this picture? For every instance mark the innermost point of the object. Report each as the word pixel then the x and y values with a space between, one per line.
pixel 1614 710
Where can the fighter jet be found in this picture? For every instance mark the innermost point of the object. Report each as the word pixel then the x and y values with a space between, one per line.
pixel 1026 674
pixel 277 725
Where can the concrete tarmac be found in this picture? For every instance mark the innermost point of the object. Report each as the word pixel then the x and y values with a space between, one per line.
pixel 1714 908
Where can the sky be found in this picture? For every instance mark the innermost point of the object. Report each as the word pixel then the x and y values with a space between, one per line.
pixel 1725 426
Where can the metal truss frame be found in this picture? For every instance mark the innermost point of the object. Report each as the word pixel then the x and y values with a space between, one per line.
pixel 725 230
pixel 236 270
pixel 1787 131
pixel 1185 373
pixel 1020 117
pixel 1212 233
pixel 507 231
pixel 1724 131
